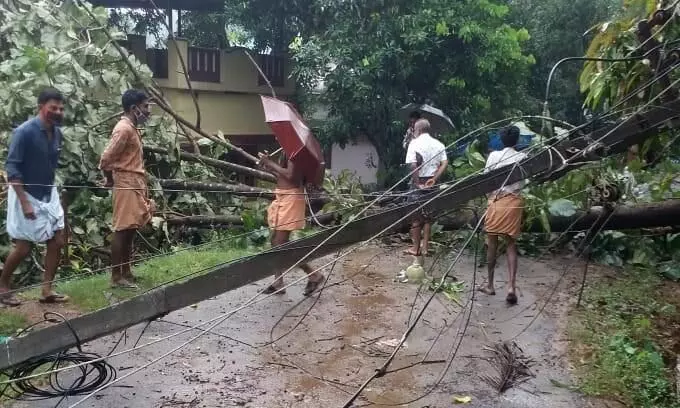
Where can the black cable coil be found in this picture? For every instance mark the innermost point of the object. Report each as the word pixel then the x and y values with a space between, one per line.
pixel 85 379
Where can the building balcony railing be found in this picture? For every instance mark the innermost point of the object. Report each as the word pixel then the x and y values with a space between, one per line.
pixel 212 69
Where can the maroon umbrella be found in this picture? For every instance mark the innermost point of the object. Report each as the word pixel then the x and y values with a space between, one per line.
pixel 295 138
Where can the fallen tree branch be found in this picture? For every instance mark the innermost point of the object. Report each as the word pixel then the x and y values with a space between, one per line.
pixel 231 220
pixel 220 164
pixel 651 215
pixel 162 103
pixel 185 71
pixel 205 220
pixel 236 189
pixel 157 96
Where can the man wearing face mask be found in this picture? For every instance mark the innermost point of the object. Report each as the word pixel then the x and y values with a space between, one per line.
pixel 34 211
pixel 123 167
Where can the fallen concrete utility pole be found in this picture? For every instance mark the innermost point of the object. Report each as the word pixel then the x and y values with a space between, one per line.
pixel 579 148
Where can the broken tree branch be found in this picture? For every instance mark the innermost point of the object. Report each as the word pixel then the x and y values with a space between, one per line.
pixel 204 220
pixel 257 67
pixel 166 107
pixel 220 164
pixel 185 72
pixel 236 189
pixel 160 99
pixel 231 220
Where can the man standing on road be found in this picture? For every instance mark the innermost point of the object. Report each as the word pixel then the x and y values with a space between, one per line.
pixel 123 166
pixel 287 214
pixel 504 214
pixel 34 211
pixel 427 157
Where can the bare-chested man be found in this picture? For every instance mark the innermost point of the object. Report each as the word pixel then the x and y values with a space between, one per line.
pixel 286 214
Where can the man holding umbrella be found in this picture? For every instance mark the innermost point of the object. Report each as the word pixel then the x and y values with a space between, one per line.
pixel 412 119
pixel 286 214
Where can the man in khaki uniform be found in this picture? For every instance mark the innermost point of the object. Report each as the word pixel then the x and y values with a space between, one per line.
pixel 123 166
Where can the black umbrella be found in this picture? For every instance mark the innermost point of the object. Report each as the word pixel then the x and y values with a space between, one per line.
pixel 439 122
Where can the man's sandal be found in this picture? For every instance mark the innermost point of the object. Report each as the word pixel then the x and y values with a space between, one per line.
pixel 273 290
pixel 486 290
pixel 312 286
pixel 54 298
pixel 10 301
pixel 124 285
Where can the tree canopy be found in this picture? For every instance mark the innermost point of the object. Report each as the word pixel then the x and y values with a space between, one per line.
pixel 463 56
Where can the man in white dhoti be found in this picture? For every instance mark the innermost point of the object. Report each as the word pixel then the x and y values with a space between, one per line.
pixel 34 212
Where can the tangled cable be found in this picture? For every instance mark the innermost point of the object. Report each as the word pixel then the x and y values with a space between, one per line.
pixel 92 372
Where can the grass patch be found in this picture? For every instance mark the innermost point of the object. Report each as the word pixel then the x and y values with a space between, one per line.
pixel 93 293
pixel 11 322
pixel 617 341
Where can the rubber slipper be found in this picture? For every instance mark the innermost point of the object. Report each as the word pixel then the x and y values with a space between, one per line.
pixel 10 301
pixel 132 279
pixel 511 298
pixel 54 298
pixel 486 290
pixel 274 290
pixel 409 252
pixel 124 285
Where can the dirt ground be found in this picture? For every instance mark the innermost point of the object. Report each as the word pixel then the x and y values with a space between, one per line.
pixel 347 334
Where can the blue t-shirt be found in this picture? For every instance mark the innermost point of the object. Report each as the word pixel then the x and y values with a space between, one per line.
pixel 33 158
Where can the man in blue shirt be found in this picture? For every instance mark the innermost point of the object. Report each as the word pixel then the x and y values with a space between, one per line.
pixel 34 213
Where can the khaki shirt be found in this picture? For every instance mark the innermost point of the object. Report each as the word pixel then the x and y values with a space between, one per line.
pixel 124 152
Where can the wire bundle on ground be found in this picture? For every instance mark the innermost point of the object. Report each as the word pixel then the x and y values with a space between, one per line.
pixel 91 372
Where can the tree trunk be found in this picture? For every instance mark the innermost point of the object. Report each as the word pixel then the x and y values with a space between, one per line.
pixel 653 215
pixel 205 220
pixel 220 164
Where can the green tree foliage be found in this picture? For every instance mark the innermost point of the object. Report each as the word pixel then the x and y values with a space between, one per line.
pixel 463 56
pixel 558 30
pixel 46 44
pixel 205 29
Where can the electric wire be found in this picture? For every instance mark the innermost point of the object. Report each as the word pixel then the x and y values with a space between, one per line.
pixel 426 203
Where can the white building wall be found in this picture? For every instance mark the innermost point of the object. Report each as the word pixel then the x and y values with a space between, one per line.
pixel 360 158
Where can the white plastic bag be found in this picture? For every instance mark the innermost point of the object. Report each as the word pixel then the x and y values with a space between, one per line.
pixel 49 217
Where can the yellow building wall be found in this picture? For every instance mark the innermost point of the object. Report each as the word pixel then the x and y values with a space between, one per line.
pixel 230 113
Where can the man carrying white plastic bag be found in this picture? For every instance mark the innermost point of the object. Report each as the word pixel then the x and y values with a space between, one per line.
pixel 34 211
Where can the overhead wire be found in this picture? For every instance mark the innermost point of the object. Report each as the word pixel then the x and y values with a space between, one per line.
pixel 219 319
pixel 406 216
pixel 300 261
pixel 379 372
pixel 254 300
pixel 211 243
pixel 382 370
pixel 248 303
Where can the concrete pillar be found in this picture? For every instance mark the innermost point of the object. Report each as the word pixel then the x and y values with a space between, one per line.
pixel 175 76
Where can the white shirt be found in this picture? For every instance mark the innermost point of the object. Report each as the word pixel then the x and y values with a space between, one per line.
pixel 504 158
pixel 430 149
